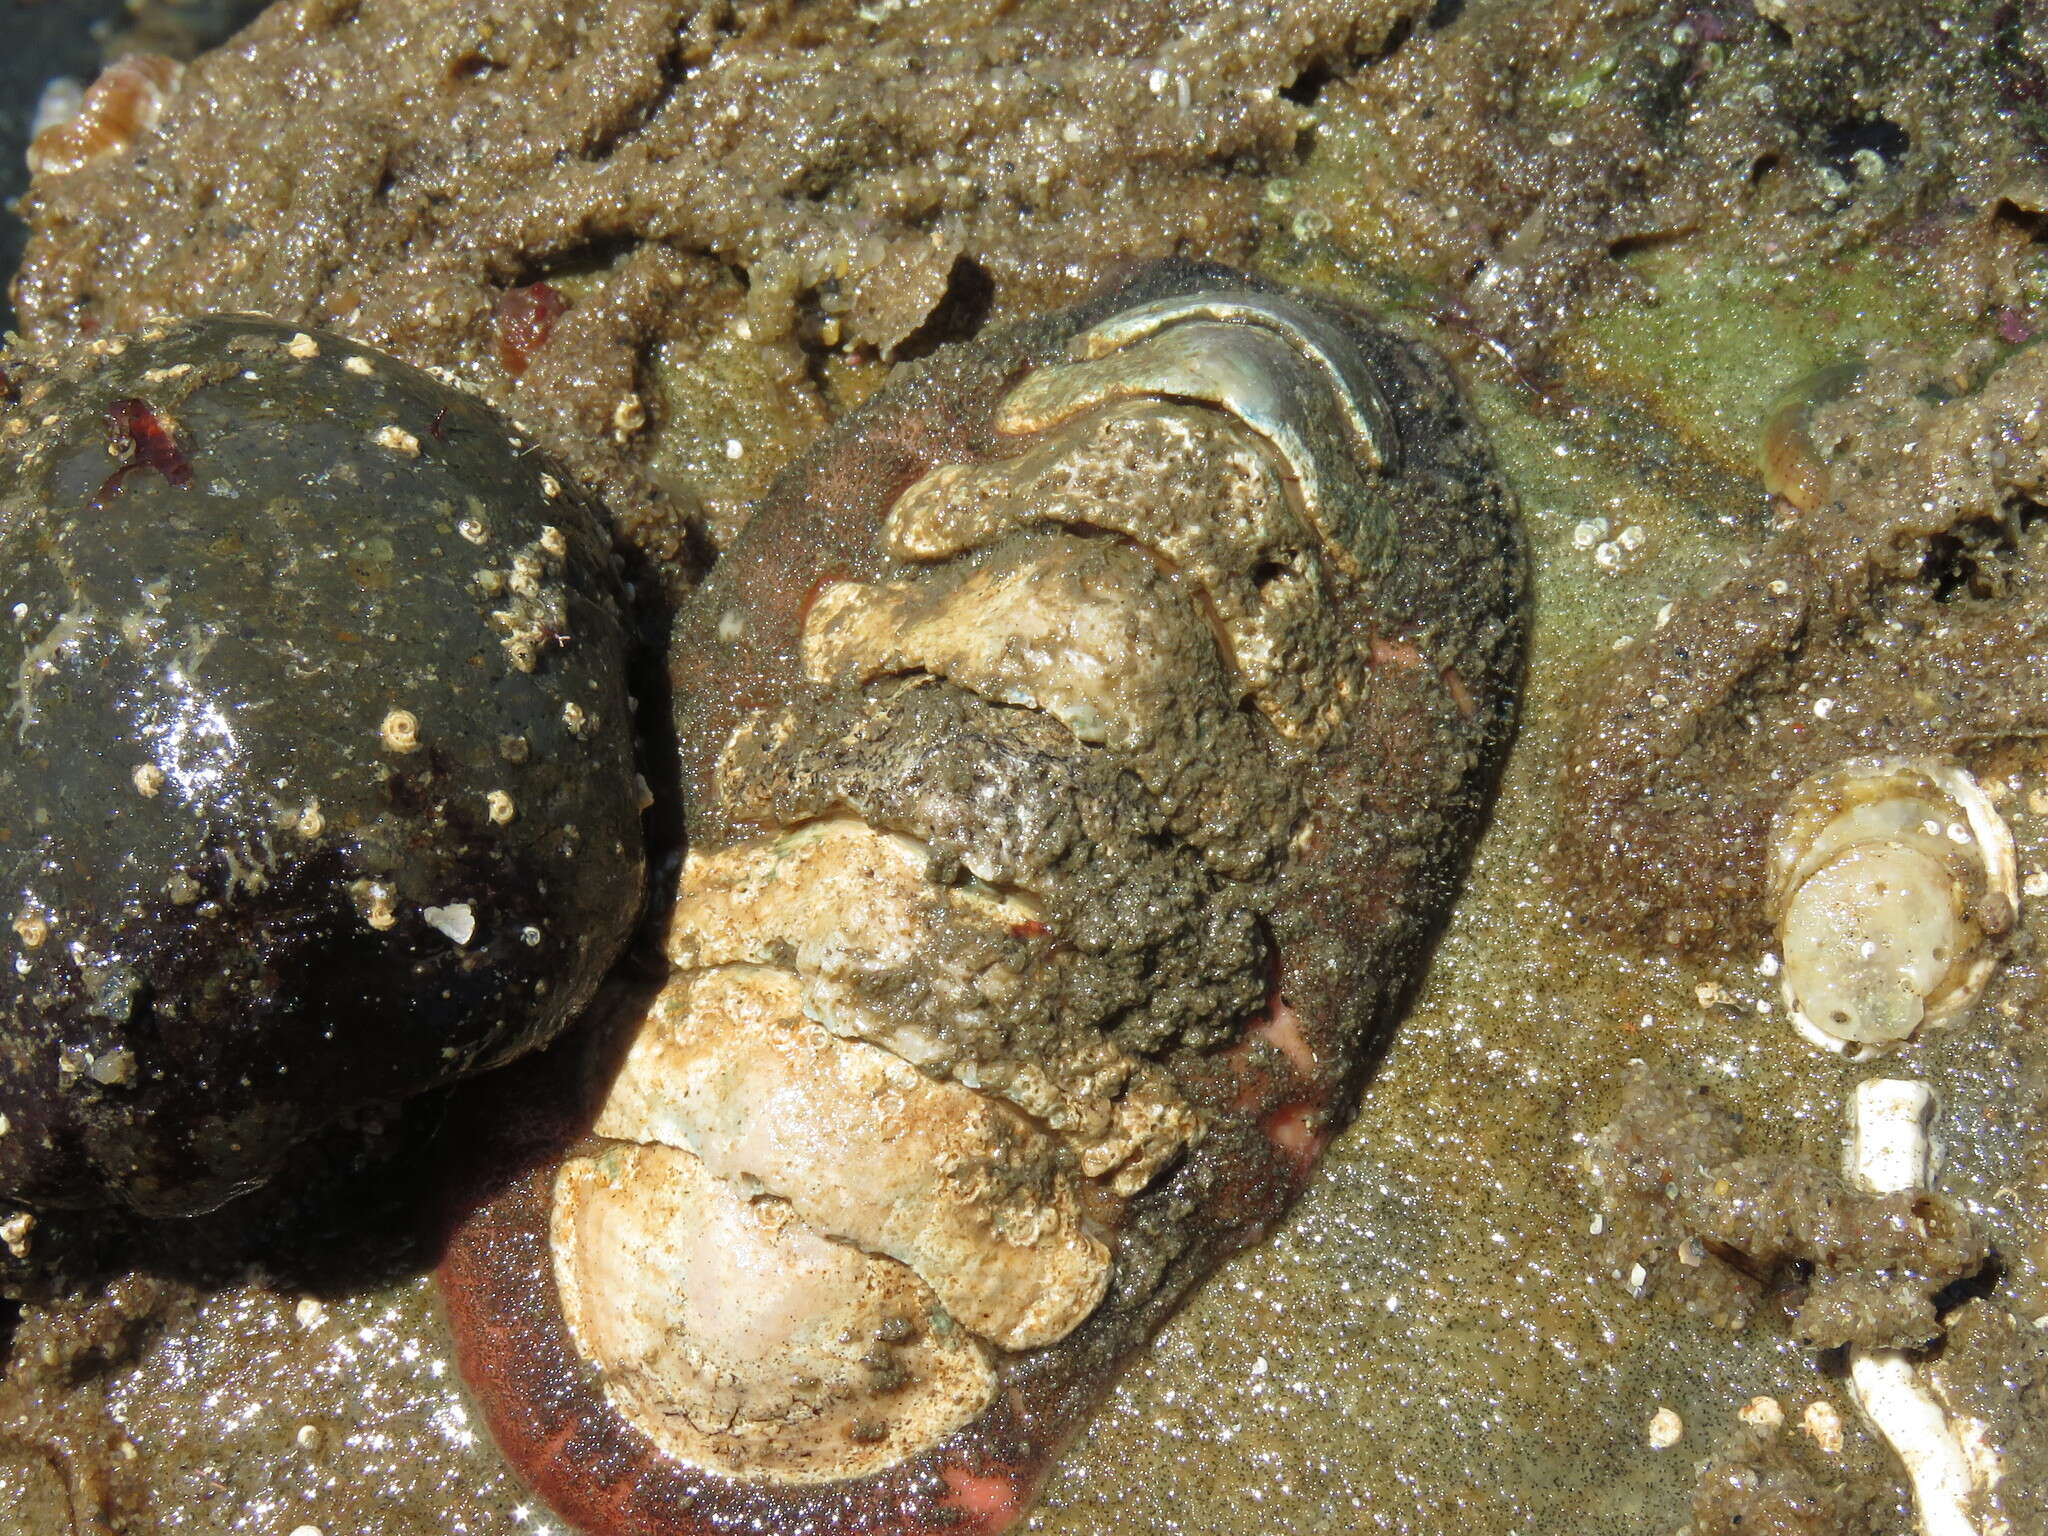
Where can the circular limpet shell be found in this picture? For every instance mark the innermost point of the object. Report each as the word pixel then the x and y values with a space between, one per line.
pixel 1890 878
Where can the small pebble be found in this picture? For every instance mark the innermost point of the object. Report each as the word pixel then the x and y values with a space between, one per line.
pixel 1824 1424
pixel 1666 1429
pixel 1762 1413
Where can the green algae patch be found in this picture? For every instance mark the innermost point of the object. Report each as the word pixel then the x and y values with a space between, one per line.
pixel 1720 338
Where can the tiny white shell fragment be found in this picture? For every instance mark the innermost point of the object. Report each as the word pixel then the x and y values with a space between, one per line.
pixel 15 1230
pixel 1824 1425
pixel 1889 1151
pixel 458 922
pixel 1762 1413
pixel 1666 1429
pixel 1888 1390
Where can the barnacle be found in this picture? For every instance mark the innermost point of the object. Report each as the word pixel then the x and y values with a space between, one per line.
pixel 1076 747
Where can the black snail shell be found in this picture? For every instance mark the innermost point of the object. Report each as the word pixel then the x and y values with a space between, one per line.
pixel 316 777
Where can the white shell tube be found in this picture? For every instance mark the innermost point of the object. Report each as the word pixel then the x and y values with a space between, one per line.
pixel 1889 1151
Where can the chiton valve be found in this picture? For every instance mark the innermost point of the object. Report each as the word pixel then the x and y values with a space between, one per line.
pixel 1080 746
pixel 316 774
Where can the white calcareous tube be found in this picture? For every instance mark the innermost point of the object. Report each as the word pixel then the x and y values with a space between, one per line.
pixel 1890 1150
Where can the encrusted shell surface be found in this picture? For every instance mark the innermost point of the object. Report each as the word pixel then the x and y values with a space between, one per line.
pixel 1078 746
pixel 1891 881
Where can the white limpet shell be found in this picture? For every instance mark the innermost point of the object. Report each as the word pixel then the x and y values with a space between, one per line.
pixel 1890 881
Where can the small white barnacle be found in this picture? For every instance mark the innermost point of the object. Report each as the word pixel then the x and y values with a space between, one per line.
pixel 396 439
pixel 15 1230
pixel 1891 882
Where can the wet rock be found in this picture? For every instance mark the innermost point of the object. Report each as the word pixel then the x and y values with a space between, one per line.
pixel 883 176
pixel 1721 1231
pixel 1992 1377
pixel 1903 616
pixel 1532 164
pixel 316 777
pixel 1758 1487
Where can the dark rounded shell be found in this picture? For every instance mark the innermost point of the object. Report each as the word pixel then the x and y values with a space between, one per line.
pixel 316 773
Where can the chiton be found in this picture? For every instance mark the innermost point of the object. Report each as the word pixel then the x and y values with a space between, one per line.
pixel 1080 746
